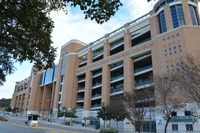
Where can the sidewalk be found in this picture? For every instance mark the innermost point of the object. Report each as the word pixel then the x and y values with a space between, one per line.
pixel 74 126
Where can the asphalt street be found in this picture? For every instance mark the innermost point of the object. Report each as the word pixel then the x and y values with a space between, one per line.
pixel 15 125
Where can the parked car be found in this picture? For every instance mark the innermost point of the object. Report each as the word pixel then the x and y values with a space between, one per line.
pixel 3 119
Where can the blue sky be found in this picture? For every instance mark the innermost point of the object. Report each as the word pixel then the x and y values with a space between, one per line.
pixel 74 26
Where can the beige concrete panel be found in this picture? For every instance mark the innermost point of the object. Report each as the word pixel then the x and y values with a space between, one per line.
pixel 69 90
pixel 158 59
pixel 27 93
pixel 53 95
pixel 57 87
pixel 106 49
pixel 154 26
pixel 168 17
pixel 192 41
pixel 36 94
pixel 128 74
pixel 89 56
pixel 127 37
pixel 88 90
pixel 46 98
pixel 105 85
pixel 186 11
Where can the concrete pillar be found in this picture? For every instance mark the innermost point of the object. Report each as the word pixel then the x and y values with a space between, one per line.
pixel 106 47
pixel 46 99
pixel 154 25
pixel 90 54
pixel 186 11
pixel 127 37
pixel 69 88
pixel 57 88
pixel 88 91
pixel 128 75
pixel 105 85
pixel 168 17
pixel 36 94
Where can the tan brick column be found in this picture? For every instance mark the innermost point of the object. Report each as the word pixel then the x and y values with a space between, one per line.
pixel 88 82
pixel 53 95
pixel 88 91
pixel 105 85
pixel 186 11
pixel 127 37
pixel 46 98
pixel 154 25
pixel 20 102
pixel 36 94
pixel 90 54
pixel 57 87
pixel 106 48
pixel 128 75
pixel 168 18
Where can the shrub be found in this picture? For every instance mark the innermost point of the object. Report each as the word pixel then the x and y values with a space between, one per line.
pixel 111 130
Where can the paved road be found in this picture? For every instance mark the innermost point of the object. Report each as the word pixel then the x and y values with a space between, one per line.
pixel 15 125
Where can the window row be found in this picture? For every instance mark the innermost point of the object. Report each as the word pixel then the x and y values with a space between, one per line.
pixel 178 18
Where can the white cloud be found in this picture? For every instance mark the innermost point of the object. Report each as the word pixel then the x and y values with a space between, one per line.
pixel 140 8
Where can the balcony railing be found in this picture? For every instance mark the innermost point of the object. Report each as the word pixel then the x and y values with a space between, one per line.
pixel 117 78
pixel 96 106
pixel 96 85
pixel 83 63
pixel 116 46
pixel 143 71
pixel 97 74
pixel 97 56
pixel 117 67
pixel 81 80
pixel 80 100
pixel 144 82
pixel 96 95
pixel 143 68
pixel 117 89
pixel 80 89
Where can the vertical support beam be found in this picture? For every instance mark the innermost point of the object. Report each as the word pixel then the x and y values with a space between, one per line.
pixel 168 18
pixel 186 12
pixel 88 91
pixel 127 37
pixel 46 98
pixel 57 87
pixel 36 94
pixel 90 54
pixel 105 85
pixel 128 75
pixel 154 25
pixel 106 47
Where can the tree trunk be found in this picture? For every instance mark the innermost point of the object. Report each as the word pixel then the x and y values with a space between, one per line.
pixel 104 123
pixel 167 122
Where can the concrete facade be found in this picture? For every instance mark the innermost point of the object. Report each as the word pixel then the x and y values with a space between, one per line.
pixel 125 60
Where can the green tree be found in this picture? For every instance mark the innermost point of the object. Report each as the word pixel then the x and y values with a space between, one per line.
pixel 8 109
pixel 116 109
pixel 67 113
pixel 104 114
pixel 25 34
